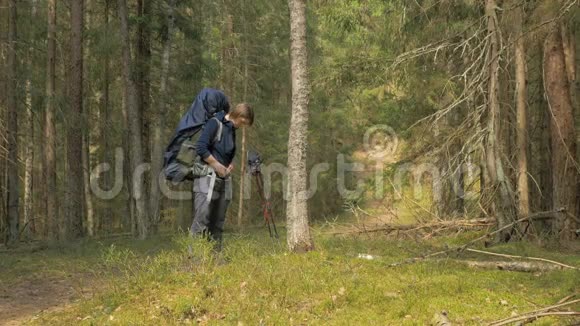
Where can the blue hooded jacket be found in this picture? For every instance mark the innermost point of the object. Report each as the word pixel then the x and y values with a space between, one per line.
pixel 207 103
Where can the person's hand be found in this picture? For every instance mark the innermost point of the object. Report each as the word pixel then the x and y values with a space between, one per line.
pixel 221 170
pixel 230 168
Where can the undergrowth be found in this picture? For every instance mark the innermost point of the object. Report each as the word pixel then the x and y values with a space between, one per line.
pixel 255 281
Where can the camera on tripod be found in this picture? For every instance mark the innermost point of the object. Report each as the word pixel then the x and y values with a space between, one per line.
pixel 254 167
pixel 254 162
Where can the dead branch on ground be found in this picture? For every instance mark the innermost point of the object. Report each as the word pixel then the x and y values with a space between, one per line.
pixel 543 312
pixel 535 216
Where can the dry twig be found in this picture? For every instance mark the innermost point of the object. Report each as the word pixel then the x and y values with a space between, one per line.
pixel 543 312
pixel 535 216
pixel 522 257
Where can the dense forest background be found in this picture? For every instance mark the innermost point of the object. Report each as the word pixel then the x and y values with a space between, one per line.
pixel 482 93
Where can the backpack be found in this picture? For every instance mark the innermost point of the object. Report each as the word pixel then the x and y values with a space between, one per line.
pixel 180 160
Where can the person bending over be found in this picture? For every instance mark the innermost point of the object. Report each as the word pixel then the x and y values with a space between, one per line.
pixel 212 197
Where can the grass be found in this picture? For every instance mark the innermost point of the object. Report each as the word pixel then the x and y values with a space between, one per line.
pixel 154 282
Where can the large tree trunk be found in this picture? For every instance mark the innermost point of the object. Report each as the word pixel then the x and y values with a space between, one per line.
pixel 158 122
pixel 564 164
pixel 502 206
pixel 75 181
pixel 522 118
pixel 135 146
pixel 299 238
pixel 49 147
pixel 12 129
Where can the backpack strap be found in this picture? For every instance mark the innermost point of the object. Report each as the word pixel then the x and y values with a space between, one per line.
pixel 218 136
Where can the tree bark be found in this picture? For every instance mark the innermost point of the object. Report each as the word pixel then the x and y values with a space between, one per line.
pixel 142 81
pixel 502 205
pixel 564 162
pixel 75 181
pixel 522 118
pixel 90 221
pixel 569 46
pixel 129 219
pixel 244 150
pixel 49 147
pixel 12 129
pixel 3 127
pixel 299 238
pixel 242 180
pixel 135 146
pixel 159 121
pixel 243 174
pixel 106 123
pixel 28 162
pixel 86 163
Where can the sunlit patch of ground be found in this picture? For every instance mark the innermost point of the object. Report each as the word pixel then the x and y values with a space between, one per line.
pixel 257 282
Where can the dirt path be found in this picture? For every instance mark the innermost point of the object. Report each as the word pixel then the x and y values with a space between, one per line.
pixel 24 300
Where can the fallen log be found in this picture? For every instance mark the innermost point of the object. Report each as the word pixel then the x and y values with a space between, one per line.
pixel 514 266
pixel 522 257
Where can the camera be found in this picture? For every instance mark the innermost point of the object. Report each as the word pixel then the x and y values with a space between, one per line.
pixel 254 162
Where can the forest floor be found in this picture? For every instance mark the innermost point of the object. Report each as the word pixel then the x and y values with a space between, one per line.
pixel 347 280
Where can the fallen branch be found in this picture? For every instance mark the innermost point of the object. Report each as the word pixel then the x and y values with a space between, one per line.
pixel 535 216
pixel 527 267
pixel 522 257
pixel 543 312
pixel 539 315
pixel 566 298
pixel 482 222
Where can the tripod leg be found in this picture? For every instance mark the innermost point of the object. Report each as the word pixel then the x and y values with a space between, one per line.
pixel 266 211
pixel 260 182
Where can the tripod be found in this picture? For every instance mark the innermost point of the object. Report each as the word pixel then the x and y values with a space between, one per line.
pixel 254 162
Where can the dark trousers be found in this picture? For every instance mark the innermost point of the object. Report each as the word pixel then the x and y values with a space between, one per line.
pixel 209 216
